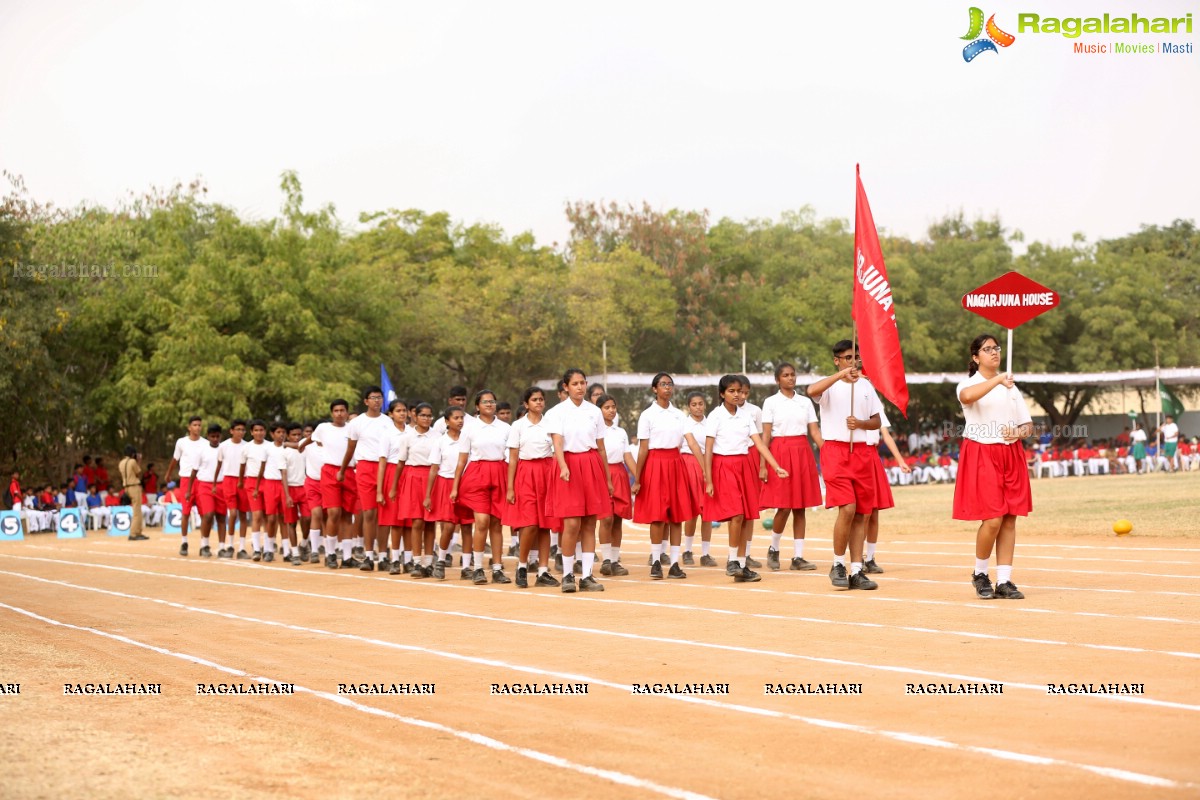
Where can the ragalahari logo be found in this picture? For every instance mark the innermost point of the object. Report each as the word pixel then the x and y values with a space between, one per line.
pixel 995 36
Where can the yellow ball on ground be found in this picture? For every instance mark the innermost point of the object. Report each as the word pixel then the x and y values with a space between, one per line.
pixel 1122 526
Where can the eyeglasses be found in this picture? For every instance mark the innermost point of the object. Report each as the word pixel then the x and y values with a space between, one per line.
pixel 487 402
pixel 843 358
pixel 995 350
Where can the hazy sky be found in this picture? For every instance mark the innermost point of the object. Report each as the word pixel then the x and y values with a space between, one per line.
pixel 502 112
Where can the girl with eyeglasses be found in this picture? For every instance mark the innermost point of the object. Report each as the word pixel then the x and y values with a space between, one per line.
pixel 481 483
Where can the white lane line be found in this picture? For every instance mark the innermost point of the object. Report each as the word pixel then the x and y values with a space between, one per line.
pixel 475 738
pixel 574 629
pixel 899 736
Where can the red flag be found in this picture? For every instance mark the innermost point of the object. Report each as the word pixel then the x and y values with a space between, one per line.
pixel 873 309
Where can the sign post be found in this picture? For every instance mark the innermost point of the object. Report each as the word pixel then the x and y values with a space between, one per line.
pixel 1010 300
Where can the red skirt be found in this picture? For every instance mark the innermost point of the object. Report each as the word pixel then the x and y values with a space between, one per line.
pixel 695 477
pixel 669 491
pixel 883 489
pixel 410 494
pixel 586 493
pixel 735 489
pixel 622 500
pixel 850 478
pixel 531 490
pixel 388 512
pixel 442 510
pixel 800 489
pixel 993 481
pixel 483 487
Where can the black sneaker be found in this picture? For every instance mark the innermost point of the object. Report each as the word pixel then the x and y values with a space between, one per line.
pixel 498 576
pixel 225 553
pixel 533 566
pixel 579 566
pixel 522 578
pixel 467 574
pixel 708 561
pixel 358 552
pixel 983 585
pixel 618 569
pixel 314 558
pixel 419 572
pixel 304 552
pixel 331 561
pixel 656 571
pixel 871 568
pixel 242 555
pixel 688 559
pixel 384 565
pixel 480 577
pixel 753 563
pixel 746 575
pixel 606 567
pixel 269 557
pixel 650 560
pixel 1008 591
pixel 394 567
pixel 801 563
pixel 546 579
pixel 513 550
pixel 350 563
pixel 665 560
pixel 773 559
pixel 256 557
pixel 439 570
pixel 368 565
pixel 553 550
pixel 590 584
pixel 296 559
pixel 558 567
pixel 838 577
pixel 183 549
pixel 206 552
pixel 859 580
pixel 732 568
pixel 407 567
pixel 568 584
pixel 676 572
pixel 138 537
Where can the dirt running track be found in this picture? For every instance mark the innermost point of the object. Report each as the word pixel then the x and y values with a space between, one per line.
pixel 111 611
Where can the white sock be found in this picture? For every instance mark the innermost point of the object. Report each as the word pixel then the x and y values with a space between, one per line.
pixel 370 555
pixel 616 554
pixel 314 540
pixel 981 566
pixel 270 545
pixel 733 554
pixel 287 548
pixel 543 570
pixel 839 559
pixel 513 541
pixel 775 537
pixel 533 554
pixel 589 561
pixel 579 551
pixel 331 544
pixel 1003 573
pixel 241 543
pixel 478 559
pixel 687 543
pixel 674 554
pixel 746 549
pixel 466 559
pixel 497 567
pixel 704 546
pixel 870 551
pixel 347 547
pixel 427 561
pixel 855 567
pixel 204 541
pixel 606 552
pixel 256 538
pixel 797 548
pixel 393 554
pixel 408 557
pixel 568 565
pixel 553 539
pixel 656 551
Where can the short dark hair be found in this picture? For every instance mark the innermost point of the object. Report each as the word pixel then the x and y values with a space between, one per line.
pixel 842 345
pixel 278 426
pixel 370 390
pixel 457 391
pixel 294 426
pixel 195 418
pixel 503 405
pixel 236 422
pixel 339 402
pixel 214 428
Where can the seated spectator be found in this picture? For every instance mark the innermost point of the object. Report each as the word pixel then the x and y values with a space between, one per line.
pixel 97 515
pixel 150 485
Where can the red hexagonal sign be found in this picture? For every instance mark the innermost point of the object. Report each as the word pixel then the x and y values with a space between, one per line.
pixel 1010 300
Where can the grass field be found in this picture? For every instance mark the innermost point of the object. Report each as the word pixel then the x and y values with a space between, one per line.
pixel 1100 610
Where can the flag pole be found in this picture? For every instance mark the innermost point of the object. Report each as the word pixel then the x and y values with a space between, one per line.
pixel 1158 390
pixel 854 355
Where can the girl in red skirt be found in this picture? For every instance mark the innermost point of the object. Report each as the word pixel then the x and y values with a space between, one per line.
pixel 993 481
pixel 620 467
pixel 481 483
pixel 531 475
pixel 584 489
pixel 732 485
pixel 789 430
pixel 666 491
pixel 390 522
pixel 693 466
pixel 406 488
pixel 438 505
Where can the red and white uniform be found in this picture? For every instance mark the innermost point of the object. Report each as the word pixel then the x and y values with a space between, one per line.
pixel 616 445
pixel 695 472
pixel 535 476
pixel 850 477
pixel 483 487
pixel 294 478
pixel 734 478
pixel 187 454
pixel 445 454
pixel 204 496
pixel 586 493
pixel 993 480
pixel 333 440
pixel 789 418
pixel 669 492
pixel 416 451
pixel 254 456
pixel 229 453
pixel 371 435
pixel 313 461
pixel 273 480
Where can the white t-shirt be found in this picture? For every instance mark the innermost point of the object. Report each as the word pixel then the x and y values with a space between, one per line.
pixel 371 433
pixel 296 466
pixel 445 454
pixel 997 409
pixel 332 440
pixel 531 440
pixel 416 448
pixel 1170 432
pixel 873 437
pixel 835 407
pixel 276 462
pixel 206 464
pixel 616 443
pixel 230 455
pixel 485 441
pixel 663 428
pixel 730 432
pixel 755 413
pixel 314 459
pixel 581 426
pixel 188 452
pixel 788 416
pixel 254 455
pixel 696 429
pixel 439 424
pixel 1138 436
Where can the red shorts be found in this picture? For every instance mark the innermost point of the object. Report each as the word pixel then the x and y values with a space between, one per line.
pixel 850 477
pixel 801 488
pixel 203 498
pixel 367 481
pixel 668 491
pixel 250 484
pixel 531 490
pixel 622 500
pixel 410 493
pixel 293 513
pixel 445 511
pixel 993 481
pixel 586 493
pixel 236 500
pixel 312 493
pixel 272 495
pixel 220 508
pixel 183 496
pixel 483 487
pixel 735 489
pixel 338 495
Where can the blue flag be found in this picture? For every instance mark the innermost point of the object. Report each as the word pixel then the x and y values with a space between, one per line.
pixel 385 383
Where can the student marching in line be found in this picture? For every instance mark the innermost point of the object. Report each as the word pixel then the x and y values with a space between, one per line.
pixel 584 488
pixel 993 482
pixel 367 439
pixel 188 450
pixel 236 501
pixel 883 489
pixel 849 471
pixel 666 491
pixel 732 483
pixel 337 488
pixel 755 413
pixel 202 486
pixel 531 475
pixel 274 491
pixel 620 466
pixel 481 483
pixel 254 459
pixel 437 503
pixel 391 523
pixel 312 491
pixel 697 410
pixel 407 486
pixel 789 423
pixel 299 512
